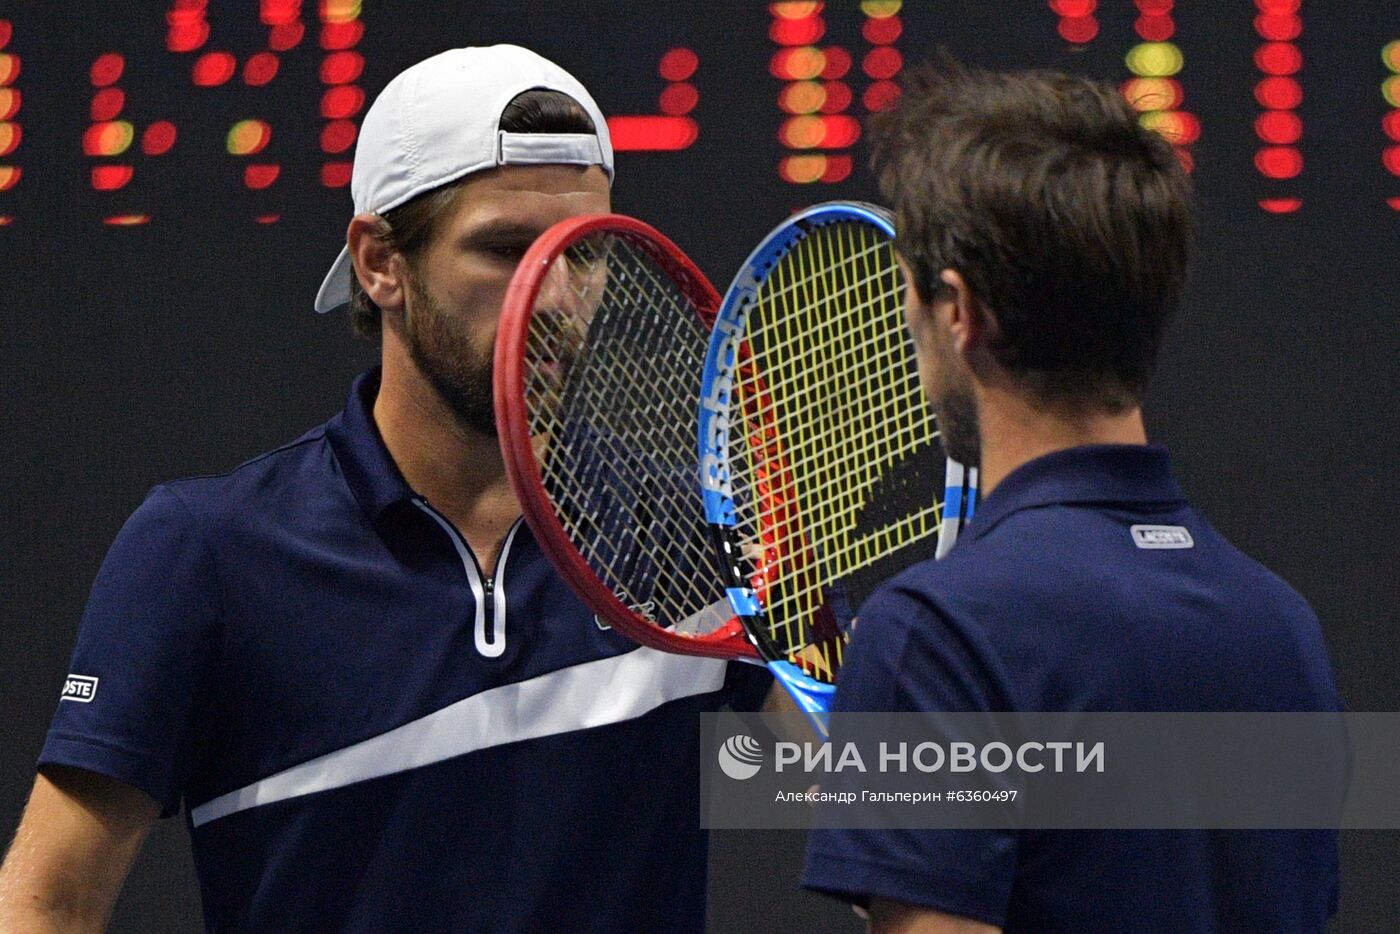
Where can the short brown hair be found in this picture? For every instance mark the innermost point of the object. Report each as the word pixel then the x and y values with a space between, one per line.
pixel 411 226
pixel 1069 221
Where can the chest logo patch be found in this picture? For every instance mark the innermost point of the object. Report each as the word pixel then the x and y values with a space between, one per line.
pixel 80 688
pixel 1162 536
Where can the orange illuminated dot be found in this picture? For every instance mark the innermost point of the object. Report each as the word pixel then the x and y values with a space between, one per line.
pixel 285 37
pixel 1280 127
pixel 9 68
pixel 880 95
pixel 248 137
pixel 341 102
pixel 838 169
pixel 795 9
pixel 803 97
pixel 1278 58
pixel 6 31
pixel 1072 8
pixel 107 104
pixel 1391 124
pixel 339 11
pixel 158 138
pixel 338 136
pixel 797 31
pixel 836 64
pixel 1391 159
pixel 1278 93
pixel 1281 205
pixel 335 174
pixel 342 67
pixel 9 176
pixel 127 220
pixel 799 64
pixel 268 218
pixel 187 37
pixel 1153 93
pixel 108 139
pixel 1155 27
pixel 652 134
pixel 1176 127
pixel 802 170
pixel 805 132
pixel 111 177
pixel 107 69
pixel 1280 27
pixel 882 31
pixel 1078 29
pixel 6 220
pixel 9 102
pixel 260 175
pixel 679 99
pixel 838 97
pixel 882 63
pixel 261 68
pixel 214 68
pixel 678 64
pixel 10 136
pixel 346 35
pixel 1279 162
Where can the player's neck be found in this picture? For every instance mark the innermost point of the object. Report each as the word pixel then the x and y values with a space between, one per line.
pixel 1015 431
pixel 456 468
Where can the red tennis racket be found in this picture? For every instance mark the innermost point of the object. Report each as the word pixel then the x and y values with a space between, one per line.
pixel 599 354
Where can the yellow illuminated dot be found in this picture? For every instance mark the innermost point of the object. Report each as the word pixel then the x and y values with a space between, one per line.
pixel 802 170
pixel 805 63
pixel 803 132
pixel 1154 59
pixel 803 97
pixel 248 136
pixel 113 138
pixel 341 11
pixel 1391 56
pixel 880 9
pixel 1391 89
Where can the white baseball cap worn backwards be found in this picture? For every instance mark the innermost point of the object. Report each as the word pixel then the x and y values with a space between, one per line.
pixel 440 120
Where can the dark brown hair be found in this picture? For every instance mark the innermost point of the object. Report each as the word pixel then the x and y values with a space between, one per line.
pixel 411 226
pixel 1069 221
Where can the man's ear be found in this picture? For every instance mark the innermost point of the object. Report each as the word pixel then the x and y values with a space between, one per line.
pixel 965 317
pixel 378 265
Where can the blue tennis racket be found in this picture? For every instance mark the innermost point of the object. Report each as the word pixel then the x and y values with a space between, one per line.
pixel 820 465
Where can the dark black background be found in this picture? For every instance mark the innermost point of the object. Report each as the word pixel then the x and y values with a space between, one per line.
pixel 133 355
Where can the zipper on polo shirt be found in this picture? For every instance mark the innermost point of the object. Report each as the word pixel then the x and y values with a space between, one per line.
pixel 490 599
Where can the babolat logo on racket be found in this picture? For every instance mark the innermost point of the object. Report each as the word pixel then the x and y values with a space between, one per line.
pixel 80 688
pixel 1162 536
pixel 740 757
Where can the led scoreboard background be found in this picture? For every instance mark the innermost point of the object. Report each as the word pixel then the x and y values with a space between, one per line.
pixel 174 184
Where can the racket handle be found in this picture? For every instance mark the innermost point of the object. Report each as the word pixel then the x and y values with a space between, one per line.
pixel 811 695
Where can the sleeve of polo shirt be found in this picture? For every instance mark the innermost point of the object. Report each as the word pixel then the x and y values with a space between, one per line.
pixel 904 656
pixel 148 638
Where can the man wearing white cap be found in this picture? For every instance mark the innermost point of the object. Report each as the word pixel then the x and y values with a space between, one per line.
pixel 347 659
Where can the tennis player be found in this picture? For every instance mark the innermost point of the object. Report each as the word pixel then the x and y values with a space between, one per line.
pixel 1044 239
pixel 347 659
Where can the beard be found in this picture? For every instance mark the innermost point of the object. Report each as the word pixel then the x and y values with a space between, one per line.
pixel 461 375
pixel 955 407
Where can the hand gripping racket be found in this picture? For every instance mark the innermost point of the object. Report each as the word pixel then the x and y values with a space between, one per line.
pixel 819 457
pixel 597 368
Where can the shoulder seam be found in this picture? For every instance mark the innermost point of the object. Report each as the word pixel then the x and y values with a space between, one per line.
pixel 315 435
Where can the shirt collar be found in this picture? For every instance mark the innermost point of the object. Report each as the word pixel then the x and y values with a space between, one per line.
pixel 1098 473
pixel 369 470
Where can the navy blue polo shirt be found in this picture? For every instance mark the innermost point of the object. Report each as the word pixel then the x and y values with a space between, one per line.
pixel 369 734
pixel 1086 582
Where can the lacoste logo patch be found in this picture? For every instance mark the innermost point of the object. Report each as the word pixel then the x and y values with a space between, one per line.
pixel 80 688
pixel 1162 536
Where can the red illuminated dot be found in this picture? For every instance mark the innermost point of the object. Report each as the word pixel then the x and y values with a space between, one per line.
pixel 837 63
pixel 1393 202
pixel 187 37
pixel 1278 6
pixel 344 35
pixel 882 63
pixel 278 12
pixel 1278 93
pixel 341 102
pixel 802 31
pixel 838 97
pixel 107 104
pixel 654 134
pixel 158 138
pixel 1279 162
pixel 1155 27
pixel 1281 205
pixel 6 31
pixel 1391 159
pixel 268 218
pixel 214 68
pixel 107 69
pixel 127 220
pixel 6 220
pixel 1278 58
pixel 261 68
pixel 1079 29
pixel 679 99
pixel 342 67
pixel 1280 127
pixel 111 177
pixel 882 31
pixel 1154 7
pixel 838 169
pixel 678 64
pixel 1072 8
pixel 338 136
pixel 880 95
pixel 261 175
pixel 285 37
pixel 1391 124
pixel 335 174
pixel 1281 27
